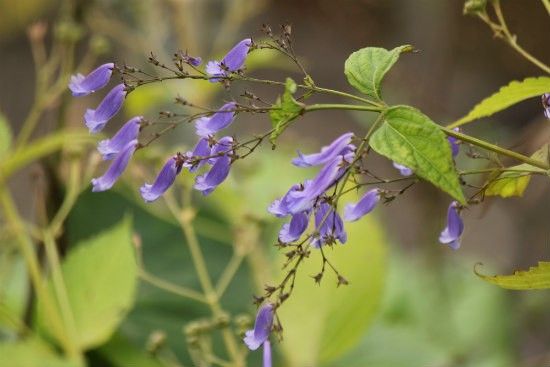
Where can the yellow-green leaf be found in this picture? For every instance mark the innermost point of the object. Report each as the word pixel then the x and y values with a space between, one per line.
pixel 5 135
pixel 515 181
pixel 284 110
pixel 507 96
pixel 537 277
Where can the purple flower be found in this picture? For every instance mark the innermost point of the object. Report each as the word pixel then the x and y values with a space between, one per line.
pixel 279 207
pixel 188 59
pixel 327 153
pixel 403 170
pixel 207 182
pixel 118 166
pixel 220 120
pixel 233 61
pixel 109 148
pixel 164 180
pixel 96 119
pixel 202 149
pixel 293 230
pixel 81 85
pixel 262 327
pixel 267 354
pixel 546 104
pixel 451 234
pixel 455 148
pixel 329 225
pixel 353 212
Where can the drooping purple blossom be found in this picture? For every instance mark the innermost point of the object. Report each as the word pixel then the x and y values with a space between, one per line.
pixel 188 59
pixel 109 148
pixel 262 327
pixel 96 119
pixel 220 120
pixel 233 61
pixel 451 234
pixel 365 205
pixel 293 230
pixel 118 166
pixel 165 179
pixel 202 149
pixel 329 226
pixel 279 207
pixel 267 354
pixel 221 163
pixel 454 142
pixel 327 153
pixel 81 85
pixel 546 104
pixel 403 170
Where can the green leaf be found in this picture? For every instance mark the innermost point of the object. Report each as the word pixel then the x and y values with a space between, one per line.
pixel 284 110
pixel 121 353
pixel 366 68
pixel 100 276
pixel 410 138
pixel 507 96
pixel 31 352
pixel 537 277
pixel 321 323
pixel 512 183
pixel 6 135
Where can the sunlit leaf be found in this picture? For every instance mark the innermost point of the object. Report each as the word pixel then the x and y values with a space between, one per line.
pixel 537 277
pixel 101 277
pixel 31 352
pixel 410 138
pixel 514 183
pixel 366 68
pixel 507 96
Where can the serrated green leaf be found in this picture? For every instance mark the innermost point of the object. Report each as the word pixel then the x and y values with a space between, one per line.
pixel 100 276
pixel 284 110
pixel 5 135
pixel 323 322
pixel 514 183
pixel 507 96
pixel 537 277
pixel 366 68
pixel 410 138
pixel 31 352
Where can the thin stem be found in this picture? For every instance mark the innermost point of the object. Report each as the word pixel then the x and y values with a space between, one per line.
pixel 73 190
pixel 336 106
pixel 511 39
pixel 495 148
pixel 170 287
pixel 228 274
pixel 497 169
pixel 546 4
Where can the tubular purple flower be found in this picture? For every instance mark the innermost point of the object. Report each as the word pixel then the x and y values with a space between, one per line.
pixel 202 149
pixel 299 201
pixel 164 180
pixel 293 230
pixel 267 354
pixel 218 173
pixel 109 148
pixel 451 234
pixel 262 327
pixel 546 104
pixel 331 229
pixel 188 59
pixel 455 147
pixel 327 153
pixel 220 120
pixel 81 85
pixel 118 166
pixel 279 207
pixel 96 119
pixel 233 61
pixel 353 212
pixel 403 170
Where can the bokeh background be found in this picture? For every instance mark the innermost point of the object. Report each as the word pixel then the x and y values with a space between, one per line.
pixel 428 308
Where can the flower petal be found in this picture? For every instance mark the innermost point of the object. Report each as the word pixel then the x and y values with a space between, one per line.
pixel 109 148
pixel 262 327
pixel 365 205
pixel 96 119
pixel 81 85
pixel 452 232
pixel 293 230
pixel 220 120
pixel 403 170
pixel 118 166
pixel 267 354
pixel 327 153
pixel 218 173
pixel 202 149
pixel 164 180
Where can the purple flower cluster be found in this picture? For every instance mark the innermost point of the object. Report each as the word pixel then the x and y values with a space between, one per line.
pixel 309 197
pixel 120 148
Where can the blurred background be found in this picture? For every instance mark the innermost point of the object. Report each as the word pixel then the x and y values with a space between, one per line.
pixel 420 304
